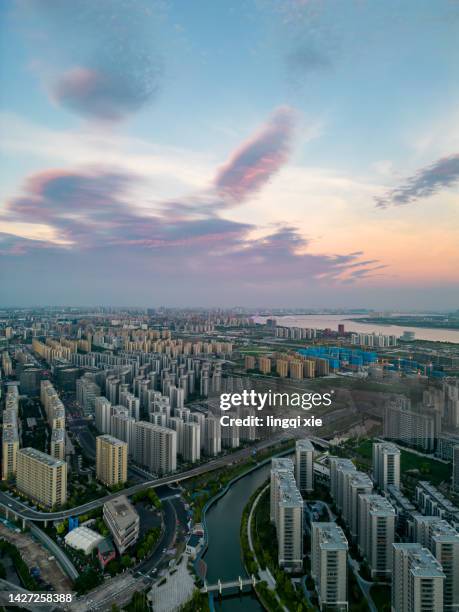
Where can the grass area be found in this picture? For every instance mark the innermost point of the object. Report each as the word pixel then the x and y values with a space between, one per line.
pixel 431 469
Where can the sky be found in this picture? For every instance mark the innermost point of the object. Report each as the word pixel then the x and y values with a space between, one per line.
pixel 284 153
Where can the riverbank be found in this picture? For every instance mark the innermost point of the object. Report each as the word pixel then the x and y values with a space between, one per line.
pixel 259 547
pixel 239 472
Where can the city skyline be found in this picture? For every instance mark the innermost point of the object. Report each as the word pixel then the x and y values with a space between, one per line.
pixel 295 153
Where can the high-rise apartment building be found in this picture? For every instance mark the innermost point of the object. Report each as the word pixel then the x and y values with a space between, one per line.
pixel 296 369
pixel 282 367
pixel 442 539
pixel 289 523
pixel 304 465
pixel 376 533
pixel 111 460
pixel 230 436
pixel 338 468
pixel 432 502
pixel 278 465
pixel 191 442
pixel 212 436
pixel 176 423
pixel 122 427
pixel 417 579
pixel 41 477
pixel 356 483
pixel 10 446
pixel 155 447
pixel 57 445
pixel 386 465
pixel 413 427
pixel 103 413
pixel 329 549
pixel 265 365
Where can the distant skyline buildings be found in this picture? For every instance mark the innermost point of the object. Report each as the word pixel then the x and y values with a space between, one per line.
pixel 147 172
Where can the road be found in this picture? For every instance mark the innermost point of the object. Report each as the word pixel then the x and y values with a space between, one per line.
pixel 24 511
pixel 60 555
pixel 120 589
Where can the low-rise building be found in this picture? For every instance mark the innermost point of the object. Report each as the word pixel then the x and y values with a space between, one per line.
pixel 123 522
pixel 84 539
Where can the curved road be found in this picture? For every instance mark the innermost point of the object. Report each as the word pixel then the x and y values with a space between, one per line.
pixel 51 545
pixel 25 512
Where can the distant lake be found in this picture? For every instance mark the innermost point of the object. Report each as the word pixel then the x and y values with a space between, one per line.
pixel 324 321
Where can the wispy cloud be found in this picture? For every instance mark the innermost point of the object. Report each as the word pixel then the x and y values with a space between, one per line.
pixel 93 209
pixel 428 181
pixel 258 159
pixel 97 59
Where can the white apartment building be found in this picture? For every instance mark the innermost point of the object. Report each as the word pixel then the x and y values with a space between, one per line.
pixel 304 465
pixel 155 447
pixel 376 533
pixel 417 580
pixel 212 436
pixel 103 413
pixel 443 542
pixel 289 525
pixel 191 442
pixel 329 549
pixel 355 484
pixel 278 465
pixel 338 468
pixel 386 465
pixel 230 436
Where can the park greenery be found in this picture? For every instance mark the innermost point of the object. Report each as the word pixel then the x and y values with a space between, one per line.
pixel 413 465
pixel 147 543
pixel 265 544
pixel 148 495
pixel 87 580
pixel 198 602
pixel 200 490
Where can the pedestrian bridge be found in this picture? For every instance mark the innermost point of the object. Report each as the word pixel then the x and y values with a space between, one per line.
pixel 220 586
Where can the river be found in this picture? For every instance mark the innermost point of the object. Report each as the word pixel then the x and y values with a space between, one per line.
pixel 223 556
pixel 325 321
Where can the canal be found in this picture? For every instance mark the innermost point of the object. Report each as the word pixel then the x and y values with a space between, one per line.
pixel 223 556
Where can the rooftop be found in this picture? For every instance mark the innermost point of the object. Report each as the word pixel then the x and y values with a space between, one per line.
pixel 111 440
pixel 331 536
pixel 305 445
pixel 33 453
pixel 10 435
pixel 289 496
pixel 58 435
pixel 121 511
pixel 282 463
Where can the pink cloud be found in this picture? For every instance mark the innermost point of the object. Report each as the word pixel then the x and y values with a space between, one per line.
pixel 258 159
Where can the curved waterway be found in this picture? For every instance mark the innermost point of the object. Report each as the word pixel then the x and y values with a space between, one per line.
pixel 223 556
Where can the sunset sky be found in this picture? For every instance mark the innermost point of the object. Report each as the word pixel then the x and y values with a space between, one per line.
pixel 230 152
